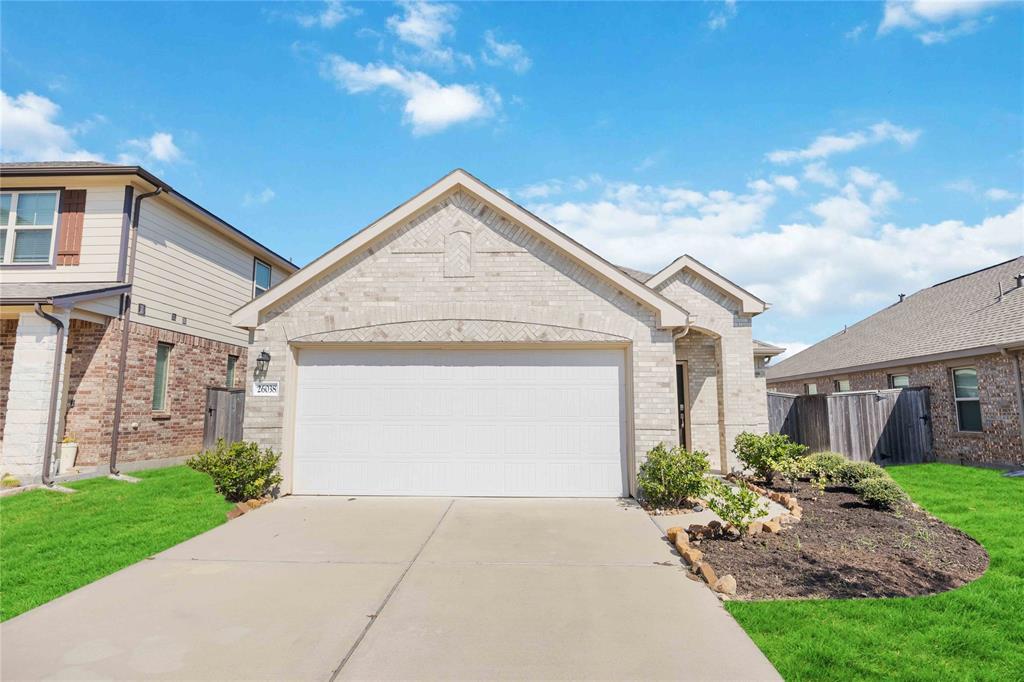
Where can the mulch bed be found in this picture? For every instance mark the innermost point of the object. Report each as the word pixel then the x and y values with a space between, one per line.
pixel 844 549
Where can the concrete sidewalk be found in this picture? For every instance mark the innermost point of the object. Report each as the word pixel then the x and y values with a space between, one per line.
pixel 396 588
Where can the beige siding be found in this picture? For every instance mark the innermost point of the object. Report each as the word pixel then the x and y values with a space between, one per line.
pixel 101 239
pixel 185 268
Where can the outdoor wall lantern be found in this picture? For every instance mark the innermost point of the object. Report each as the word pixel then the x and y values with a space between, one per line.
pixel 262 364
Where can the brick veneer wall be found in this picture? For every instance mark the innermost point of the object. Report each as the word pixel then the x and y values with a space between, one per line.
pixel 998 443
pixel 8 332
pixel 196 363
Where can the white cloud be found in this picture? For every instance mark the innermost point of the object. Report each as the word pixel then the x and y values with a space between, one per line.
pixel 721 16
pixel 827 145
pixel 820 174
pixel 844 259
pixel 999 194
pixel 30 132
pixel 510 53
pixel 264 196
pixel 935 21
pixel 330 15
pixel 426 25
pixel 855 33
pixel 159 147
pixel 786 182
pixel 429 106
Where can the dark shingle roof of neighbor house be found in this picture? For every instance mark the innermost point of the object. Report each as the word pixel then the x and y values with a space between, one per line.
pixel 638 275
pixel 954 316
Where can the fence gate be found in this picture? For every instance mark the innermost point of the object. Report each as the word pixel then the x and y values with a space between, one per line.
pixel 891 426
pixel 225 408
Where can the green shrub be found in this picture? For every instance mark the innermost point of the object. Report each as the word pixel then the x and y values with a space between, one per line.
pixel 669 476
pixel 881 493
pixel 852 473
pixel 240 471
pixel 824 465
pixel 737 507
pixel 765 453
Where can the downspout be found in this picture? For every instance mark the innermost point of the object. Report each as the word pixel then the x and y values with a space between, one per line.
pixel 51 415
pixel 126 318
pixel 1016 359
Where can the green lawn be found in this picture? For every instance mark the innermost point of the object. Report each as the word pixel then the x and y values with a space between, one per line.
pixel 51 543
pixel 975 632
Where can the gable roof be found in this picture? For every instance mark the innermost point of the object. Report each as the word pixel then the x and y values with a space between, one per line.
pixel 22 169
pixel 959 317
pixel 751 304
pixel 764 349
pixel 669 314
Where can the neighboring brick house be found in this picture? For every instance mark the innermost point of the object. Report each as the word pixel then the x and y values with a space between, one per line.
pixel 461 345
pixel 963 339
pixel 69 249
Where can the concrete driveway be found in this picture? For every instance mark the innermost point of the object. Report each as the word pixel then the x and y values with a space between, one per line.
pixel 396 588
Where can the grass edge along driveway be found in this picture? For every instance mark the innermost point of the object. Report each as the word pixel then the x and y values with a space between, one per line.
pixel 975 632
pixel 52 543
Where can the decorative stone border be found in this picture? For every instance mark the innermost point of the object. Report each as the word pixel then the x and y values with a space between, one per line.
pixel 247 506
pixel 725 586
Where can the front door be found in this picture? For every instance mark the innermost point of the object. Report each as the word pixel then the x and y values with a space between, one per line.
pixel 681 376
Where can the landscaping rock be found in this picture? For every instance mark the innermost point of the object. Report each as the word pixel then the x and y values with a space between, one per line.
pixel 692 555
pixel 682 543
pixel 772 526
pixel 673 532
pixel 234 513
pixel 707 573
pixel 732 533
pixel 242 507
pixel 715 527
pixel 725 585
pixel 697 531
pixel 755 528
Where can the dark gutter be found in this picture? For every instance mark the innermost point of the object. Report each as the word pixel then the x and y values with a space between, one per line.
pixel 51 413
pixel 126 318
pixel 67 300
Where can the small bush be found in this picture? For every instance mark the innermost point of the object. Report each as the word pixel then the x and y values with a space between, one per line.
pixel 852 473
pixel 881 493
pixel 765 453
pixel 738 507
pixel 240 471
pixel 670 476
pixel 823 465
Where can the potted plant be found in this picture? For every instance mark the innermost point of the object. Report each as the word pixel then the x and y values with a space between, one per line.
pixel 68 452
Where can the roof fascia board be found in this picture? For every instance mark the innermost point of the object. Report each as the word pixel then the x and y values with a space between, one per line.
pixel 751 304
pixel 152 182
pixel 669 314
pixel 900 362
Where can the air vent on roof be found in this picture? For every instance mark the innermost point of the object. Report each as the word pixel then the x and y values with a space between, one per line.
pixel 902 296
pixel 1020 279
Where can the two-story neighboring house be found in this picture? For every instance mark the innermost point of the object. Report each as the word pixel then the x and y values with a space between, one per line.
pixel 86 250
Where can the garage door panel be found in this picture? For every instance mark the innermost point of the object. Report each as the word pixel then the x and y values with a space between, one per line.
pixel 460 422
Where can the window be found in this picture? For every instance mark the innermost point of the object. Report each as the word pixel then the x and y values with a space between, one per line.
pixel 842 385
pixel 260 278
pixel 232 361
pixel 163 361
pixel 27 225
pixel 965 395
pixel 899 380
pixel 810 389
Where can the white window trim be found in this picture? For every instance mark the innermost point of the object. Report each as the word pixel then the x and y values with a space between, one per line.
pixel 957 401
pixel 898 374
pixel 837 389
pixel 809 385
pixel 8 255
pixel 256 262
pixel 163 409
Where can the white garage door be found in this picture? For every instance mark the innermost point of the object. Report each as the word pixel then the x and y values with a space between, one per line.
pixel 460 422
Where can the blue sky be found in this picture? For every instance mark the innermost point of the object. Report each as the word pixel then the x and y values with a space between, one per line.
pixel 829 156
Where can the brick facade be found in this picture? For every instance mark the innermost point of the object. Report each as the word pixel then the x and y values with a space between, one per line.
pixel 497 282
pixel 999 442
pixel 8 334
pixel 195 364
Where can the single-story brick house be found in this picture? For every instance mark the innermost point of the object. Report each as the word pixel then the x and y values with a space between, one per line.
pixel 963 339
pixel 461 345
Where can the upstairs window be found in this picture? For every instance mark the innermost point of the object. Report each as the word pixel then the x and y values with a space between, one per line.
pixel 899 380
pixel 842 385
pixel 810 389
pixel 968 402
pixel 28 221
pixel 260 278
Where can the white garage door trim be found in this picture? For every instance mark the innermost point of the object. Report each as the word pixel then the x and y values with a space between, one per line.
pixel 491 421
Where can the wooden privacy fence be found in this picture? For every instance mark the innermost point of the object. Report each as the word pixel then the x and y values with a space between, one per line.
pixel 891 426
pixel 225 408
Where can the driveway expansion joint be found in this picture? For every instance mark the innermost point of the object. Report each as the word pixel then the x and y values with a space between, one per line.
pixel 372 618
